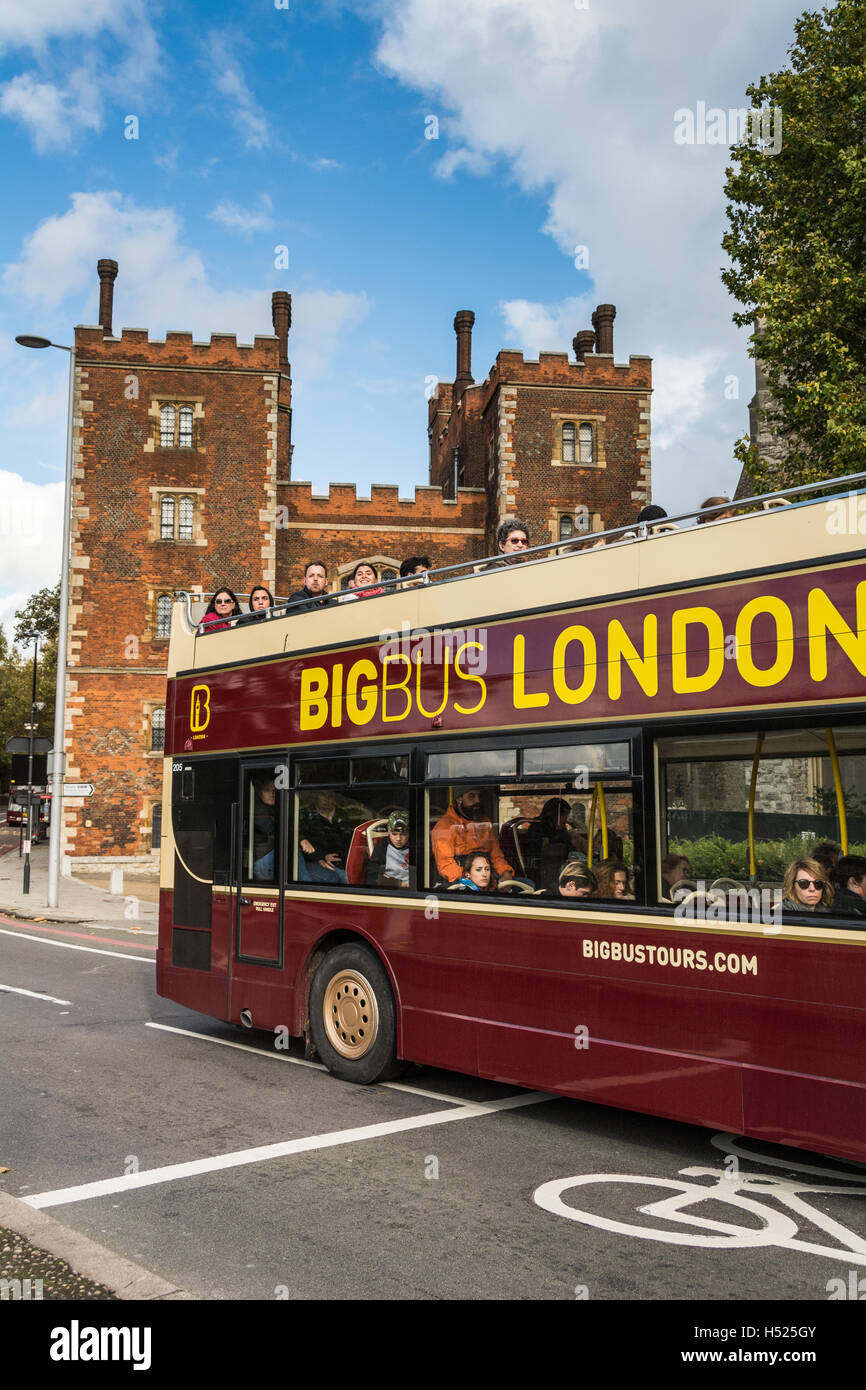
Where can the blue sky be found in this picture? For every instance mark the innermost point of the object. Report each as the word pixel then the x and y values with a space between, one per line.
pixel 304 127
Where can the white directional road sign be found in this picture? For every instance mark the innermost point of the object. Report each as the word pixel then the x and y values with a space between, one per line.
pixel 77 788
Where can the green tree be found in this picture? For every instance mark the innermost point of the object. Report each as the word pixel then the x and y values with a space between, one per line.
pixel 797 244
pixel 41 614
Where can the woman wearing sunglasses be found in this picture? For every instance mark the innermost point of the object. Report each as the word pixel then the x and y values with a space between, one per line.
pixel 806 887
pixel 222 606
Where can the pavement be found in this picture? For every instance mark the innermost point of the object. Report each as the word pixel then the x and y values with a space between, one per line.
pixel 32 1244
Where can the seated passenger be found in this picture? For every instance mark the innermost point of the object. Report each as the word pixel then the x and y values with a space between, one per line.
pixel 675 867
pixel 315 589
pixel 388 865
pixel 364 582
pixel 477 876
pixel 548 842
pixel 849 881
pixel 413 570
pixel 806 887
pixel 324 841
pixel 261 599
pixel 730 510
pixel 264 830
pixel 222 606
pixel 577 881
pixel 462 830
pixel 826 853
pixel 612 876
pixel 512 540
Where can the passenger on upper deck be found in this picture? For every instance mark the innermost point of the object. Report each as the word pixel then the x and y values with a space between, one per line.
pixel 364 582
pixel 315 590
pixel 512 539
pixel 716 516
pixel 222 606
pixel 652 512
pixel 413 570
pixel 261 599
pixel 849 881
pixel 460 831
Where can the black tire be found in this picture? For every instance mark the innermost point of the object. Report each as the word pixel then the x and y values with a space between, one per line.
pixel 353 1018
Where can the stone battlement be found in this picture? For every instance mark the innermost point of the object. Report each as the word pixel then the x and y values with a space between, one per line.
pixel 341 501
pixel 177 349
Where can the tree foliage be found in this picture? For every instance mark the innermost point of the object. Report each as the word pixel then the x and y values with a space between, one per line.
pixel 40 614
pixel 797 244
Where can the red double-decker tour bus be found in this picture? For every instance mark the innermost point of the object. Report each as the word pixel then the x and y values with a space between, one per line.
pixel 546 822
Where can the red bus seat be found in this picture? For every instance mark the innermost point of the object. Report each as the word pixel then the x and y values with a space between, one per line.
pixel 363 841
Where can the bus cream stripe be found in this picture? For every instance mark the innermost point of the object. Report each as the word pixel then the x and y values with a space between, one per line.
pixel 64 1196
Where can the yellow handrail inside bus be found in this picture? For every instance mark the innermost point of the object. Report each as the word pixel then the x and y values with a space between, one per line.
pixel 597 800
pixel 840 791
pixel 752 788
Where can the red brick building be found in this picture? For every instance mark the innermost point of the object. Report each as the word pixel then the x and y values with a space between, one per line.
pixel 183 479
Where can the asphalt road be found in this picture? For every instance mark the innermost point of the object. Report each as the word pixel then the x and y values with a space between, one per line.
pixel 140 1137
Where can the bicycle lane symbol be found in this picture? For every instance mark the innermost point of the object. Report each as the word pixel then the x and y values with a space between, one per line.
pixel 776 1228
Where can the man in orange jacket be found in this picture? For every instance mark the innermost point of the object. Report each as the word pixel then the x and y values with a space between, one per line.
pixel 460 831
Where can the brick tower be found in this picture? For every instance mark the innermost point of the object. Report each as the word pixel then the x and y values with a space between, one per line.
pixel 176 459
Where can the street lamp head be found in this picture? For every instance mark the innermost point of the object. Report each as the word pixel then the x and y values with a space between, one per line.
pixel 32 341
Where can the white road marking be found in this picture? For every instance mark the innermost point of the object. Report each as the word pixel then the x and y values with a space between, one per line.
pixel 175 1171
pixel 34 994
pixel 303 1062
pixel 68 946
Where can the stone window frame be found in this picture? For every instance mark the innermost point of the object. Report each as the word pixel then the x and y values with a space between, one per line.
pixel 575 418
pixel 154 442
pixel 155 596
pixel 157 495
pixel 555 522
pixel 149 709
pixel 379 562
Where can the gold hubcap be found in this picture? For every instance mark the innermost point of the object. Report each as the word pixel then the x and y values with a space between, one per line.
pixel 351 1015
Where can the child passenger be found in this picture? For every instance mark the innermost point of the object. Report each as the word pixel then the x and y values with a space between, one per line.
pixel 388 866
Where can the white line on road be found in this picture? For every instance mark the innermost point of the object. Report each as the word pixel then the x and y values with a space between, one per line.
pixel 68 946
pixel 303 1062
pixel 34 994
pixel 172 1172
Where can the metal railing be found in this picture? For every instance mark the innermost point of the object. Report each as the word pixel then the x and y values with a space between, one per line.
pixel 586 541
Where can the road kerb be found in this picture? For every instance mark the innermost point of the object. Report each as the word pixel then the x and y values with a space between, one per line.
pixel 126 1280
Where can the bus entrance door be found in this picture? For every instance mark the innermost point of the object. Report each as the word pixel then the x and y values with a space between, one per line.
pixel 257 957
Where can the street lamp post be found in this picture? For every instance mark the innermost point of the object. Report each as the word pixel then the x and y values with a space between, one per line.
pixel 56 836
pixel 34 638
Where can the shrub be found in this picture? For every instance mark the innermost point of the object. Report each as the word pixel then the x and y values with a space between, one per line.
pixel 714 857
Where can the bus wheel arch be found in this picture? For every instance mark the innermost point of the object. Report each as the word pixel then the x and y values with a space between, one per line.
pixel 352 1017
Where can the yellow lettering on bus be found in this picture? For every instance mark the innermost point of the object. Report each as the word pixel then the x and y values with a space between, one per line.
pixel 682 620
pixel 337 696
pixel 361 710
pixel 469 676
pixel 825 617
pixel 314 702
pixel 446 666
pixel 199 708
pixel 521 699
pixel 568 694
pixel 401 685
pixel 645 668
pixel 779 611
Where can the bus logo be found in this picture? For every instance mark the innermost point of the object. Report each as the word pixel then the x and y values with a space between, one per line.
pixel 199 708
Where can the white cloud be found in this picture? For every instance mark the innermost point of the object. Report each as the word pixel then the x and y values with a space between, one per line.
pixel 245 112
pixel 163 283
pixel 67 93
pixel 238 219
pixel 31 533
pixel 322 164
pixel 579 105
pixel 538 328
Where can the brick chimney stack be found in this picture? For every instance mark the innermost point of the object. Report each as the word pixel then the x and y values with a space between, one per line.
pixel 281 315
pixel 603 320
pixel 583 343
pixel 107 271
pixel 463 321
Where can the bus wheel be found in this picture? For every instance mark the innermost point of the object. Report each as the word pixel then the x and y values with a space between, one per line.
pixel 352 1016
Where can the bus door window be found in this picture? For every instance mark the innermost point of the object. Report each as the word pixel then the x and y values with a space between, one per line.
pixel 261 828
